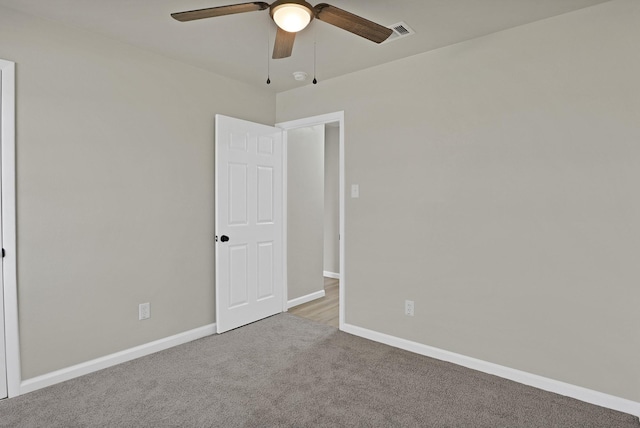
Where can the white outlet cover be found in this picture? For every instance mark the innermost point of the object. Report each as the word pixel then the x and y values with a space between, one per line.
pixel 409 307
pixel 144 311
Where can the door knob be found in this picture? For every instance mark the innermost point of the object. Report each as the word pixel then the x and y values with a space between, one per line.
pixel 224 238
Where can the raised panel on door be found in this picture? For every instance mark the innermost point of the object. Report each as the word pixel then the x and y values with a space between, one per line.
pixel 238 277
pixel 265 195
pixel 265 270
pixel 238 194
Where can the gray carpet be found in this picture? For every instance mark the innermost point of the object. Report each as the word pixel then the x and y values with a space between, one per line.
pixel 289 372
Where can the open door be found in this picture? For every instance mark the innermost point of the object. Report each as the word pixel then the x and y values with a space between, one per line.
pixel 249 222
pixel 3 361
pixel 9 343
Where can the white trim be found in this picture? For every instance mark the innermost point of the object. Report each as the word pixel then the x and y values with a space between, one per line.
pixel 343 233
pixel 332 275
pixel 305 299
pixel 285 222
pixel 551 385
pixel 312 121
pixel 12 346
pixel 113 359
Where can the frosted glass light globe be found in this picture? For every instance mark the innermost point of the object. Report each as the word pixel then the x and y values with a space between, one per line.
pixel 292 17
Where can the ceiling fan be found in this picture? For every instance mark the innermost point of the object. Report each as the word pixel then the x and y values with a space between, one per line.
pixel 292 16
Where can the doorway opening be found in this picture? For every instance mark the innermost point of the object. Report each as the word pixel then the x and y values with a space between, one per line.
pixel 314 217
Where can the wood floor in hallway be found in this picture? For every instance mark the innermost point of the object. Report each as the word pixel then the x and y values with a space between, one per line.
pixel 324 310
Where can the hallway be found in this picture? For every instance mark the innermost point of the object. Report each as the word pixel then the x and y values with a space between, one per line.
pixel 324 310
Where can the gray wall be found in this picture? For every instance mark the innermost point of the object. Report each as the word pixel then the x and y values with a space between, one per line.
pixel 114 190
pixel 305 210
pixel 331 199
pixel 507 185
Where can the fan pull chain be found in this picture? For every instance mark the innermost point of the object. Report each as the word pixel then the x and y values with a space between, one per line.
pixel 315 81
pixel 268 59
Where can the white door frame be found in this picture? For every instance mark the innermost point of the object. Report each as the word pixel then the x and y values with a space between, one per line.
pixel 303 123
pixel 8 189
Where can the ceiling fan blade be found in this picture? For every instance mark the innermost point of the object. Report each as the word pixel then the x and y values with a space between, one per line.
pixel 352 23
pixel 284 44
pixel 212 12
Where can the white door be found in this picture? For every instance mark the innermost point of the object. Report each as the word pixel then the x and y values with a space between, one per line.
pixel 249 222
pixel 3 354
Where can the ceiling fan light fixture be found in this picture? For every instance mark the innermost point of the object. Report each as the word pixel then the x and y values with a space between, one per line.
pixel 292 17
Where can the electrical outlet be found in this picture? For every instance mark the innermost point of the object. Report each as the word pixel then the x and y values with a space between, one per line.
pixel 144 311
pixel 408 307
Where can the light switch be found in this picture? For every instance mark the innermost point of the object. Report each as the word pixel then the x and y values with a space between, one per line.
pixel 355 191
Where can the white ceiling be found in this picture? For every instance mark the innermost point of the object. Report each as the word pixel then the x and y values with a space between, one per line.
pixel 236 45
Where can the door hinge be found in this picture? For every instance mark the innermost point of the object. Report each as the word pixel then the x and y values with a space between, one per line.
pixel 3 253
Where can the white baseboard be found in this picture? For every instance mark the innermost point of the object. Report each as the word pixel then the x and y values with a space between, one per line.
pixel 304 299
pixel 328 274
pixel 551 385
pixel 65 374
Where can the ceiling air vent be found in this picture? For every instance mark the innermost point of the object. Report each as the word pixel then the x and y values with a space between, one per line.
pixel 400 30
